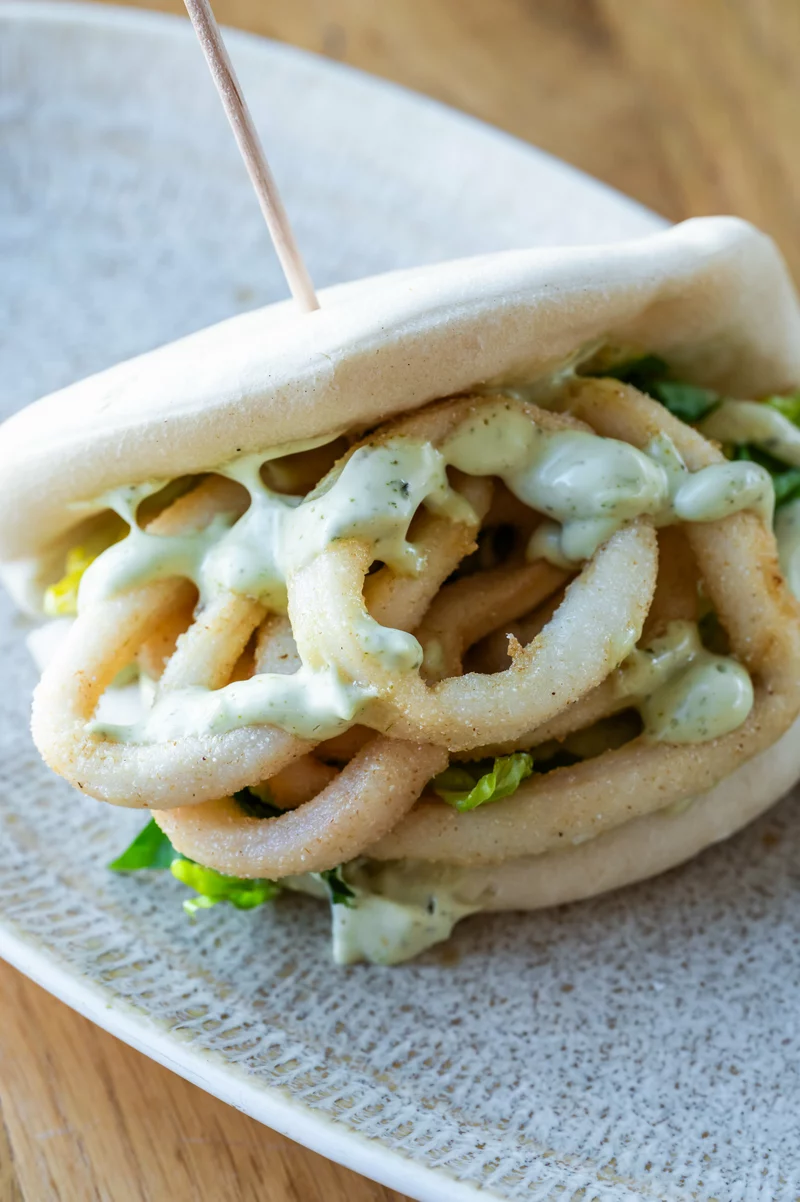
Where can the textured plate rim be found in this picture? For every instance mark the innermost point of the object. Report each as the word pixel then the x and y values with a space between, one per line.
pixel 270 1105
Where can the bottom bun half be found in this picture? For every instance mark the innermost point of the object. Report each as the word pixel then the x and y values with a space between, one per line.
pixel 637 850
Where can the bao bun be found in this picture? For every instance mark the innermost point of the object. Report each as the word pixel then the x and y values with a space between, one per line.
pixel 712 296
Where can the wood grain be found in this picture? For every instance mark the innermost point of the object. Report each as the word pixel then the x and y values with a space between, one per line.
pixel 83 1118
pixel 692 107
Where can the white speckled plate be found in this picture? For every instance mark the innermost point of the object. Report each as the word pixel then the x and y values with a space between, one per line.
pixel 642 1046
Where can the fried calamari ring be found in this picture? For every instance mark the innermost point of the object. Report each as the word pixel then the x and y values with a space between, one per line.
pixel 206 654
pixel 297 473
pixel 440 544
pixel 157 650
pixel 334 822
pixel 737 562
pixel 492 654
pixel 276 650
pixel 592 631
pixel 677 595
pixel 343 747
pixel 194 768
pixel 466 610
pixel 105 638
pixel 366 799
pixel 596 617
pixel 505 533
pixel 300 782
pixel 676 599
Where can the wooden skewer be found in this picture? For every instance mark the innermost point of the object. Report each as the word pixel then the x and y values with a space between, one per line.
pixel 235 105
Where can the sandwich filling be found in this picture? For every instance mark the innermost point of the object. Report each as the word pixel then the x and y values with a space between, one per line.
pixel 586 485
pixel 515 602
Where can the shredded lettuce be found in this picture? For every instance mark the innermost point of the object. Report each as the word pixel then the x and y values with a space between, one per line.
pixel 467 786
pixel 789 406
pixel 650 374
pixel 257 803
pixel 686 401
pixel 339 891
pixel 643 371
pixel 152 849
pixel 214 887
pixel 60 600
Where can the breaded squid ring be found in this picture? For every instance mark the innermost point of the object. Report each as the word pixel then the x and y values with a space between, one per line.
pixel 154 654
pixel 675 599
pixel 366 799
pixel 375 788
pixel 466 610
pixel 737 561
pixel 492 654
pixel 300 782
pixel 327 610
pixel 104 639
pixel 393 600
pixel 596 617
pixel 403 601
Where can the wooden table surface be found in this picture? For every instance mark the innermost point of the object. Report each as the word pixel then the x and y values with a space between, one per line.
pixel 691 106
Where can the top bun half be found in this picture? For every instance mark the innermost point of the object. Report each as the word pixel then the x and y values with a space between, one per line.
pixel 712 296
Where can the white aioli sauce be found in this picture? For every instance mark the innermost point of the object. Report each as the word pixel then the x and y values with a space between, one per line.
pixel 684 693
pixel 757 423
pixel 397 912
pixel 762 425
pixel 383 930
pixel 725 488
pixel 588 487
pixel 309 703
pixel 669 493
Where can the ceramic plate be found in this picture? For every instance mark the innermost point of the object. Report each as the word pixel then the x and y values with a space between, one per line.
pixel 640 1046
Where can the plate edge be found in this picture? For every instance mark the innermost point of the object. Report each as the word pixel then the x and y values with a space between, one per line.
pixel 274 1108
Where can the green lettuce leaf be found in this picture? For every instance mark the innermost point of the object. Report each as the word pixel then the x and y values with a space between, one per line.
pixel 651 374
pixel 150 849
pixel 686 401
pixel 214 887
pixel 257 805
pixel 61 599
pixel 340 892
pixel 643 372
pixel 789 406
pixel 468 786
